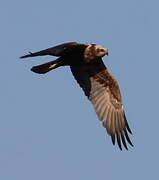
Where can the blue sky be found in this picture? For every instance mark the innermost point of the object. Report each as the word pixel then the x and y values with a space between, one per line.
pixel 49 129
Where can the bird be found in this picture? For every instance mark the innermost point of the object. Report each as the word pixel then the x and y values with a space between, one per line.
pixel 98 84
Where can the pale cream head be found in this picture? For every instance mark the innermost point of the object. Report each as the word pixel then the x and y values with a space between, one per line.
pixel 94 51
pixel 100 51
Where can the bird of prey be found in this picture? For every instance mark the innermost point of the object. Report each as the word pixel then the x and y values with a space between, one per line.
pixel 101 88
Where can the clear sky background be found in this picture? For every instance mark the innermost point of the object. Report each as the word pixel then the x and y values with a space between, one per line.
pixel 48 128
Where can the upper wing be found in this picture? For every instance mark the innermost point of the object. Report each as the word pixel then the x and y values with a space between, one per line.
pixel 103 91
pixel 59 50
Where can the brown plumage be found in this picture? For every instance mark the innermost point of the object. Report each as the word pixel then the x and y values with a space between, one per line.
pixel 101 88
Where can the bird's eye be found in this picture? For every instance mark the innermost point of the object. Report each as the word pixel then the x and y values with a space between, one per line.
pixel 102 50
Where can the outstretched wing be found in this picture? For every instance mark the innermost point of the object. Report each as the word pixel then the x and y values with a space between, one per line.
pixel 60 50
pixel 103 91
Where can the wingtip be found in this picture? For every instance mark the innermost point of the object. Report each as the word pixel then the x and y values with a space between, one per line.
pixel 113 139
pixel 24 56
pixel 28 55
pixel 128 139
pixel 21 57
pixel 35 70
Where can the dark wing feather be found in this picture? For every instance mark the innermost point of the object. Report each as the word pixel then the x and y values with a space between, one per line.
pixel 58 50
pixel 103 91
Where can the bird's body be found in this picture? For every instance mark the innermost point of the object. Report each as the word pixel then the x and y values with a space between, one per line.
pixel 101 88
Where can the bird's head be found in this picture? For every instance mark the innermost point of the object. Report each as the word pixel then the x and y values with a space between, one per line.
pixel 94 51
pixel 100 51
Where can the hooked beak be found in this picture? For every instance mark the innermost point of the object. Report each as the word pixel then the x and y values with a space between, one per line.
pixel 106 51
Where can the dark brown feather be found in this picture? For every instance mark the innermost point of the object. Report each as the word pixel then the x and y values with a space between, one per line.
pixel 127 137
pixel 118 140
pixel 113 139
pixel 123 140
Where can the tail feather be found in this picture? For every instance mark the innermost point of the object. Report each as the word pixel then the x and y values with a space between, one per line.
pixel 46 67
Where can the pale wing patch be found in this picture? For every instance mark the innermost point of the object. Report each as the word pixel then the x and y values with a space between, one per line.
pixel 103 92
pixel 109 111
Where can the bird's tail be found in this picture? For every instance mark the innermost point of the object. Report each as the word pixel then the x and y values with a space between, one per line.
pixel 46 67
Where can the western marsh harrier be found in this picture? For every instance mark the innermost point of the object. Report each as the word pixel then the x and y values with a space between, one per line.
pixel 101 88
